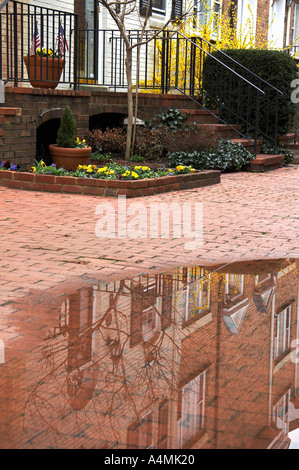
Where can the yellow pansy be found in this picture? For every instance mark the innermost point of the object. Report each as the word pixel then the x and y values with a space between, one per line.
pixel 134 174
pixel 89 170
pixel 137 167
pixel 94 167
pixel 80 167
pixel 101 170
pixel 144 168
pixel 42 164
pixel 192 170
pixel 180 167
pixel 33 169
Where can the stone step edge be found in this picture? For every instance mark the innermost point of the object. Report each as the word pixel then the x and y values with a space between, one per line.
pixel 267 159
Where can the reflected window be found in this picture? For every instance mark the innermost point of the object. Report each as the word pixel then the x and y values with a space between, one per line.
pixel 149 320
pixel 197 292
pixel 144 315
pixel 191 405
pixel 282 332
pixel 281 412
pixel 234 286
pixel 140 434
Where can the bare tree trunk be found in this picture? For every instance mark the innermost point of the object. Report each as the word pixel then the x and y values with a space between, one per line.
pixel 130 103
pixel 136 99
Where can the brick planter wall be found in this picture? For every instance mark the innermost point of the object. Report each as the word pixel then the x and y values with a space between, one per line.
pixel 101 187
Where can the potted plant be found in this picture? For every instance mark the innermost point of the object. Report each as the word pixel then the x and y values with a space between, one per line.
pixel 44 68
pixel 69 151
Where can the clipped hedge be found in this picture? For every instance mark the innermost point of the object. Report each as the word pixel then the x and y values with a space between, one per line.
pixel 276 67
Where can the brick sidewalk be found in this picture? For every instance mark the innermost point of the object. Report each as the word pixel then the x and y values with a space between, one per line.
pixel 48 238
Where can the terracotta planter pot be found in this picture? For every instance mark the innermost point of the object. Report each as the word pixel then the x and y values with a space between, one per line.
pixel 44 72
pixel 69 159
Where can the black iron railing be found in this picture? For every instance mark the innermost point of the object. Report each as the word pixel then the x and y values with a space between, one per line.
pixel 20 23
pixel 169 61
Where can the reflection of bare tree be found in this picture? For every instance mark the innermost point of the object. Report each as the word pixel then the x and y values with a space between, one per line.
pixel 129 360
pixel 88 369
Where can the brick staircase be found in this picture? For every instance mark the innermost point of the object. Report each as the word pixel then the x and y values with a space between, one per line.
pixel 261 163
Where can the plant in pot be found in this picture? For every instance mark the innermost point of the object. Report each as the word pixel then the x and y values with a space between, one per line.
pixel 69 151
pixel 44 68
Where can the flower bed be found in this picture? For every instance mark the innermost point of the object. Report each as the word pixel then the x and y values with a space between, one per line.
pixel 110 180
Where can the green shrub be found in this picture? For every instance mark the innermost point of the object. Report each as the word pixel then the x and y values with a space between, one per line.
pixel 67 132
pixel 226 156
pixel 173 119
pixel 276 67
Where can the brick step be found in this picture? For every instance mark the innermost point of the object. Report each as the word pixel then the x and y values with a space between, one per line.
pixel 10 111
pixel 247 144
pixel 200 116
pixel 287 139
pixel 265 162
pixel 222 130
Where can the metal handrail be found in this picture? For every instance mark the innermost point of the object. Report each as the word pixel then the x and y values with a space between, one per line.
pixel 236 62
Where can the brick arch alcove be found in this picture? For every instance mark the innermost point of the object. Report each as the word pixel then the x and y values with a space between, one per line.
pixel 106 120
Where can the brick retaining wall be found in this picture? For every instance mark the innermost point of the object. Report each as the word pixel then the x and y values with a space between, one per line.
pixel 18 142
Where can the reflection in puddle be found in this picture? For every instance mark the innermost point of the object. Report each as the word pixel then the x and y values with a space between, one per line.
pixel 199 357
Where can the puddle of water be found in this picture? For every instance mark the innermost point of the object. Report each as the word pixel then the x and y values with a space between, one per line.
pixel 202 357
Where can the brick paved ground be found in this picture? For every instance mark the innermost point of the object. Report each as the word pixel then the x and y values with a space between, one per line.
pixel 48 241
pixel 48 238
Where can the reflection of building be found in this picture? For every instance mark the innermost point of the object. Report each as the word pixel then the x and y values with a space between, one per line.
pixel 195 358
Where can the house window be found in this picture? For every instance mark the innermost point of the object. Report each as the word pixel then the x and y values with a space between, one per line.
pixel 282 333
pixel 277 23
pixel 191 406
pixel 197 293
pixel 207 11
pixel 247 14
pixel 147 7
pixel 158 6
pixel 281 413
